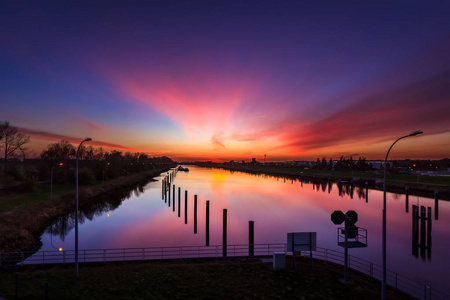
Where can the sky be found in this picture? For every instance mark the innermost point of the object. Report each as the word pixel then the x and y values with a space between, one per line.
pixel 230 80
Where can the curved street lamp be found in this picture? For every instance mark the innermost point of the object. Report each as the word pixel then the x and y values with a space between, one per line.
pixel 383 282
pixel 76 206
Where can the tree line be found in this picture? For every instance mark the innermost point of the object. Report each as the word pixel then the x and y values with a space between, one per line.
pixel 57 161
pixel 343 164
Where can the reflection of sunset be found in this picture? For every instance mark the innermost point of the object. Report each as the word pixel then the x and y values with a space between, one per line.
pixel 218 176
pixel 276 205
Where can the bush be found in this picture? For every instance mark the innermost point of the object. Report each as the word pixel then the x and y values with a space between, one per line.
pixel 15 172
pixel 29 185
pixel 86 176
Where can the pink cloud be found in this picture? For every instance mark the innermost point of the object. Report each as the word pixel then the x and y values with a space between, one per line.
pixel 423 105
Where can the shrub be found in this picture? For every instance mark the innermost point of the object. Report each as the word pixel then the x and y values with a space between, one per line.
pixel 15 172
pixel 29 185
pixel 86 176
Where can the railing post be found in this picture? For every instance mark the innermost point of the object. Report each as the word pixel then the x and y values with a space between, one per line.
pixel 427 292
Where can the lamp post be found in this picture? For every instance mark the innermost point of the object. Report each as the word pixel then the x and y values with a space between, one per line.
pixel 76 206
pixel 383 282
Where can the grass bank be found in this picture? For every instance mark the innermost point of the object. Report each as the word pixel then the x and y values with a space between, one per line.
pixel 232 278
pixel 22 226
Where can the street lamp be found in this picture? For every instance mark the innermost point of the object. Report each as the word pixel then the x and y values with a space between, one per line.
pixel 383 282
pixel 76 206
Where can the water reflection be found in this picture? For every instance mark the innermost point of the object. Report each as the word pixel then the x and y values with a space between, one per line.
pixel 88 211
pixel 276 205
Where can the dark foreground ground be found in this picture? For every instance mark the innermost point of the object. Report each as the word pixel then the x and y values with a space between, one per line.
pixel 234 278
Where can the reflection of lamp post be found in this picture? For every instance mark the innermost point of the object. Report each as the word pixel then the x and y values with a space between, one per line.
pixel 383 282
pixel 76 206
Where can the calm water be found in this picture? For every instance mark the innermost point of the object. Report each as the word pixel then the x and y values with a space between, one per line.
pixel 276 205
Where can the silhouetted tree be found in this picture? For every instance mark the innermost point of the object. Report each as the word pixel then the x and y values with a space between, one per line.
pixel 12 140
pixel 59 152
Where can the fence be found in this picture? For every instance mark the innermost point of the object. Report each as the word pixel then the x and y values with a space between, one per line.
pixel 395 280
pixel 127 254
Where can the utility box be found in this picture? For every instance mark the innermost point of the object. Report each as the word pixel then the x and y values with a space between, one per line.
pixel 279 261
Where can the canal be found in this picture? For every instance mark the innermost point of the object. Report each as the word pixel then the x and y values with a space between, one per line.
pixel 276 206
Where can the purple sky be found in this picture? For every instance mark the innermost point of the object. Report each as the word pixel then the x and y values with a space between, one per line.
pixel 229 80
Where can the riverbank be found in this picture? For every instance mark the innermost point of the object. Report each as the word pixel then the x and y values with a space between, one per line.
pixel 224 278
pixel 395 182
pixel 21 228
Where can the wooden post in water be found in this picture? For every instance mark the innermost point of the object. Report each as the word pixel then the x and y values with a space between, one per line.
pixel 429 233
pixel 415 230
pixel 251 238
pixel 162 188
pixel 168 198
pixel 185 206
pixel 224 240
pixel 165 189
pixel 207 222
pixel 195 214
pixel 422 231
pixel 351 189
pixel 436 205
pixel 367 192
pixel 407 199
pixel 179 202
pixel 173 198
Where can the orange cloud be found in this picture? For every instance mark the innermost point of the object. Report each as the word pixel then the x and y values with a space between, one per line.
pixel 52 137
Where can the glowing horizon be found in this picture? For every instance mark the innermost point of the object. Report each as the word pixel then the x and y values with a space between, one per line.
pixel 230 81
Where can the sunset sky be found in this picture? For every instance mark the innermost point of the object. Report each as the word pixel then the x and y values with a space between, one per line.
pixel 230 80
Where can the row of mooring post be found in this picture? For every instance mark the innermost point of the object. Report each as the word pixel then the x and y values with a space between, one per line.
pixel 421 231
pixel 167 186
pixel 436 202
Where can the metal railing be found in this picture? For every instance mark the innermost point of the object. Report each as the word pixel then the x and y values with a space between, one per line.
pixel 395 280
pixel 127 254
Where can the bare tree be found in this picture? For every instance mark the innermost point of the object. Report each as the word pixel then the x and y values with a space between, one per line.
pixel 12 140
pixel 59 152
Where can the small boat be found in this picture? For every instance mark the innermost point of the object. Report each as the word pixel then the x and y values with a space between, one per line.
pixel 180 168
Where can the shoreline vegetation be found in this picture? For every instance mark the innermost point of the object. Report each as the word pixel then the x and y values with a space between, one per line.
pixel 422 186
pixel 22 226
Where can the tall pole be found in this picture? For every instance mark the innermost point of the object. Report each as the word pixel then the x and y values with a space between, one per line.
pixel 76 206
pixel 51 184
pixel 383 281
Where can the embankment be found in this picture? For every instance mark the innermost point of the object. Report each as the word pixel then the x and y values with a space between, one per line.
pixel 21 229
pixel 415 188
